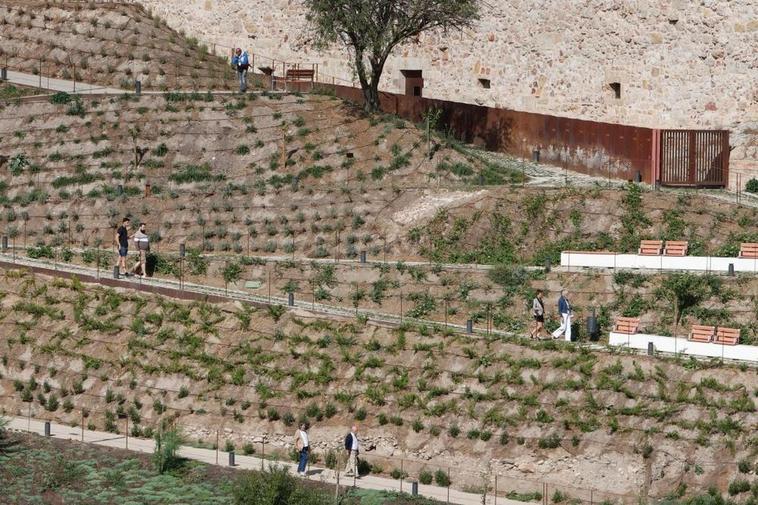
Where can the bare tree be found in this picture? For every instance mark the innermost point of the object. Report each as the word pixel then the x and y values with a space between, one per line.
pixel 370 29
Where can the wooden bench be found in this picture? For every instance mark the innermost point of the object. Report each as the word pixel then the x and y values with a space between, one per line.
pixel 627 325
pixel 747 249
pixel 651 247
pixel 300 74
pixel 727 336
pixel 676 248
pixel 700 333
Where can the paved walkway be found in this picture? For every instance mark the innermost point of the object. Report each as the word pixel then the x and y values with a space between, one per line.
pixel 52 84
pixel 210 456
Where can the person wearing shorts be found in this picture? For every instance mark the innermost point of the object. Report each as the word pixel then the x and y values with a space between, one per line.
pixel 122 243
pixel 538 311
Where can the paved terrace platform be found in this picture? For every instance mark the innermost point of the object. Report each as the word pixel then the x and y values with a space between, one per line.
pixel 587 259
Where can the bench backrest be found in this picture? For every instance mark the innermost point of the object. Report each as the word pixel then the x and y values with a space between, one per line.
pixel 749 250
pixel 702 333
pixel 651 247
pixel 727 336
pixel 676 248
pixel 300 73
pixel 627 325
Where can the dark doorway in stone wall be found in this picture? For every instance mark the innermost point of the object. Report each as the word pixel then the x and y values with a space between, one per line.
pixel 414 82
pixel 616 89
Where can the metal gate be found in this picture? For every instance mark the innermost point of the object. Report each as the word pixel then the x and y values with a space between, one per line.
pixel 694 158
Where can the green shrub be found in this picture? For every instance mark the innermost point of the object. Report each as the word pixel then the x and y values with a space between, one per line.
pixel 441 478
pixel 398 474
pixel 275 486
pixel 752 186
pixel 550 442
pixel 425 477
pixel 738 486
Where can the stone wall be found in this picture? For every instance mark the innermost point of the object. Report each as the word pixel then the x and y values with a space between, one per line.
pixel 680 63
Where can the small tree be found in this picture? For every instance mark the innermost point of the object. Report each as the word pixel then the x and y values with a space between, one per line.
pixel 371 29
pixel 685 291
pixel 166 447
pixel 232 272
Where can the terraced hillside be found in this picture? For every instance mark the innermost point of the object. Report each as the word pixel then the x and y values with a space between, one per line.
pixel 108 44
pixel 531 412
pixel 273 174
pixel 309 176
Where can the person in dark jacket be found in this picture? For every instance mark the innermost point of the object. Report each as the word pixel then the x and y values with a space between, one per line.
pixel 564 309
pixel 538 312
pixel 351 446
pixel 122 242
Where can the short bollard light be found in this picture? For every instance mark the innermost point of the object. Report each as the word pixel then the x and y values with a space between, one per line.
pixel 469 326
pixel 138 88
pixel 547 266
pixel 47 428
pixel 363 256
pixel 291 299
pixel 5 243
pixel 730 270
pixel 115 272
pixel 3 74
pixel 182 250
pixel 231 458
pixel 414 488
pixel 650 348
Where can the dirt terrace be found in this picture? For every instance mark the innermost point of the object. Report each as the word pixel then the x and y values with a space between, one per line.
pixel 532 411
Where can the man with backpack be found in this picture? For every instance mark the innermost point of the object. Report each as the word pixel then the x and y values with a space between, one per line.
pixel 241 62
pixel 351 446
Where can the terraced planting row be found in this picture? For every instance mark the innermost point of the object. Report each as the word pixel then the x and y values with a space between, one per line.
pixel 428 390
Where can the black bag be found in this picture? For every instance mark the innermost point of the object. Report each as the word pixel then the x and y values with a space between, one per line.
pixel 348 442
pixel 243 67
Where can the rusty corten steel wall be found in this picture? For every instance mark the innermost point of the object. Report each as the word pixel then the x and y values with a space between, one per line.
pixel 589 147
pixel 694 157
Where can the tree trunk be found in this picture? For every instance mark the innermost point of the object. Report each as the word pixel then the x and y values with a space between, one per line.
pixel 371 95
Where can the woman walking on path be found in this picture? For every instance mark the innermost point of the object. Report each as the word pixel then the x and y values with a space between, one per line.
pixel 538 311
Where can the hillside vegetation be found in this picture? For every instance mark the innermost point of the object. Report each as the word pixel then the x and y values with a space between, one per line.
pixel 108 44
pixel 484 403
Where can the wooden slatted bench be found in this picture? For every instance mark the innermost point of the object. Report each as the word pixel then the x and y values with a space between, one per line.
pixel 749 250
pixel 727 336
pixel 700 333
pixel 300 74
pixel 627 325
pixel 676 248
pixel 651 247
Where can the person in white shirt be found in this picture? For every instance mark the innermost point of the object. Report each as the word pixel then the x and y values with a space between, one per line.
pixel 564 309
pixel 351 446
pixel 303 448
pixel 142 241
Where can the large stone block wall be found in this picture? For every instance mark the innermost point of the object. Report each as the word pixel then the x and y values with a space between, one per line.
pixel 680 63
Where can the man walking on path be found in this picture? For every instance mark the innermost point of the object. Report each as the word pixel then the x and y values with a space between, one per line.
pixel 303 447
pixel 241 62
pixel 351 446
pixel 564 309
pixel 122 242
pixel 141 240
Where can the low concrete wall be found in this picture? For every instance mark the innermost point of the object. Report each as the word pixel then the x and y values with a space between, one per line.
pixel 684 346
pixel 693 263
